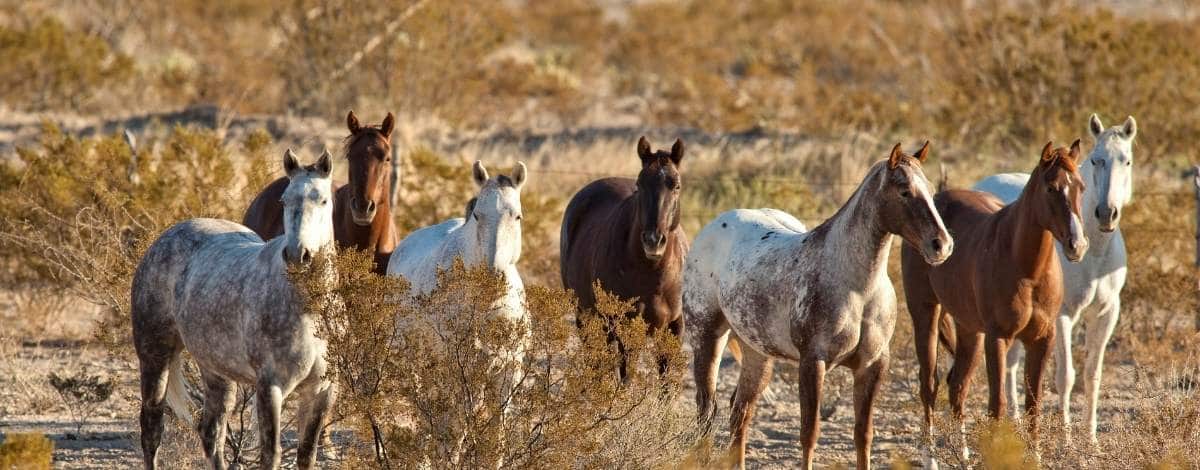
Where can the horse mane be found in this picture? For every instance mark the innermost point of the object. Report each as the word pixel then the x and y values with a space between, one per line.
pixel 376 131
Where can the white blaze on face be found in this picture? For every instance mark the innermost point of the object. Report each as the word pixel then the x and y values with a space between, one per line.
pixel 308 212
pixel 497 222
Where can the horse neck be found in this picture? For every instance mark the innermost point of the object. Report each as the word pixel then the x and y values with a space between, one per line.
pixel 856 245
pixel 1032 245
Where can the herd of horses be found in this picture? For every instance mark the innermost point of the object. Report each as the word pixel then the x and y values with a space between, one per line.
pixel 980 272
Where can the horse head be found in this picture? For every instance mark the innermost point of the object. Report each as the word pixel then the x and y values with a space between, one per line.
pixel 1111 168
pixel 369 150
pixel 494 215
pixel 657 196
pixel 907 206
pixel 1056 189
pixel 307 208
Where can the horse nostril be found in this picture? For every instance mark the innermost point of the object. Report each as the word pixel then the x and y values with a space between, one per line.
pixel 1115 213
pixel 1097 212
pixel 305 256
pixel 370 206
pixel 935 244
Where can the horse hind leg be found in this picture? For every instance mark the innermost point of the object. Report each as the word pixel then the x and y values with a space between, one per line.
pixel 926 315
pixel 315 403
pixel 159 356
pixel 966 359
pixel 867 381
pixel 1036 356
pixel 219 397
pixel 754 378
pixel 1013 360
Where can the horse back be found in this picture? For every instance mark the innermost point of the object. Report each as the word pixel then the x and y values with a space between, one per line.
pixel 588 226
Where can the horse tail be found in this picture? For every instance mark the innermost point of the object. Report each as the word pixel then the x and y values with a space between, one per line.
pixel 735 349
pixel 943 179
pixel 177 396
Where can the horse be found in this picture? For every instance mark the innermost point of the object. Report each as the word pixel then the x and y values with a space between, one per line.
pixel 1093 285
pixel 215 288
pixel 625 233
pixel 821 298
pixel 362 210
pixel 1002 283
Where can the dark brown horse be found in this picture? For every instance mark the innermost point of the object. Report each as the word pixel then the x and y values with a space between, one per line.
pixel 626 234
pixel 1003 283
pixel 362 211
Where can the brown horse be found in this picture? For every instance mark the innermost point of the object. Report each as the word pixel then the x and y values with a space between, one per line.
pixel 1002 283
pixel 626 234
pixel 362 211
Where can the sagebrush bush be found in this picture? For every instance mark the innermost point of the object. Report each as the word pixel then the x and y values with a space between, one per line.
pixel 26 451
pixel 423 384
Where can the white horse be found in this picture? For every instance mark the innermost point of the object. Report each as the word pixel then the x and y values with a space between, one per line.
pixel 214 287
pixel 1093 285
pixel 821 298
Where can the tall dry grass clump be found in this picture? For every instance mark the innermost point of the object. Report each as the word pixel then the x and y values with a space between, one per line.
pixel 421 380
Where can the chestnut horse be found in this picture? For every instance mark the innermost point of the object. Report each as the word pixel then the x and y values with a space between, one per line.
pixel 362 211
pixel 1002 283
pixel 820 298
pixel 625 233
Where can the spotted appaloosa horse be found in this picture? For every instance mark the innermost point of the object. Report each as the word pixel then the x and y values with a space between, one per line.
pixel 821 298
pixel 215 288
pixel 362 211
pixel 626 234
pixel 1002 283
pixel 1093 285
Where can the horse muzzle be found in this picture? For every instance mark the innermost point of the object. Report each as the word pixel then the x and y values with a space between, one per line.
pixel 1075 248
pixel 937 250
pixel 362 216
pixel 1108 217
pixel 654 244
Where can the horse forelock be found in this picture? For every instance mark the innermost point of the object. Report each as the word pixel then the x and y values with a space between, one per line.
pixel 366 135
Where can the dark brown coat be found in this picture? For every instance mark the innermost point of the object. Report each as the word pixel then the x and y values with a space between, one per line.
pixel 626 234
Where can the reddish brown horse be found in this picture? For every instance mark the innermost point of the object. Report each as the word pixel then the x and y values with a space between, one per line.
pixel 626 234
pixel 362 211
pixel 1002 283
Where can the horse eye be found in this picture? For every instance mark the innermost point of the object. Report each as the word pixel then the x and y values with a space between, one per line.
pixel 906 193
pixel 518 216
pixel 475 215
pixel 1128 162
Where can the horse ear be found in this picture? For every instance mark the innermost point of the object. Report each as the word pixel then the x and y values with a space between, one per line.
pixel 389 123
pixel 325 164
pixel 1048 152
pixel 519 174
pixel 643 149
pixel 479 173
pixel 922 154
pixel 352 123
pixel 677 151
pixel 1075 153
pixel 895 157
pixel 1129 128
pixel 291 165
pixel 1095 126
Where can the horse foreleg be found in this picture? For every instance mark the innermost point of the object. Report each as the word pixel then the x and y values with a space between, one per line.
pixel 219 395
pixel 867 381
pixel 1099 331
pixel 270 401
pixel 1036 356
pixel 812 378
pixel 154 392
pixel 997 349
pixel 1064 368
pixel 755 375
pixel 1015 354
pixel 315 403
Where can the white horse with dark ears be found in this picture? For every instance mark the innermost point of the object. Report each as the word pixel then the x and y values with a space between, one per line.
pixel 215 288
pixel 1091 287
